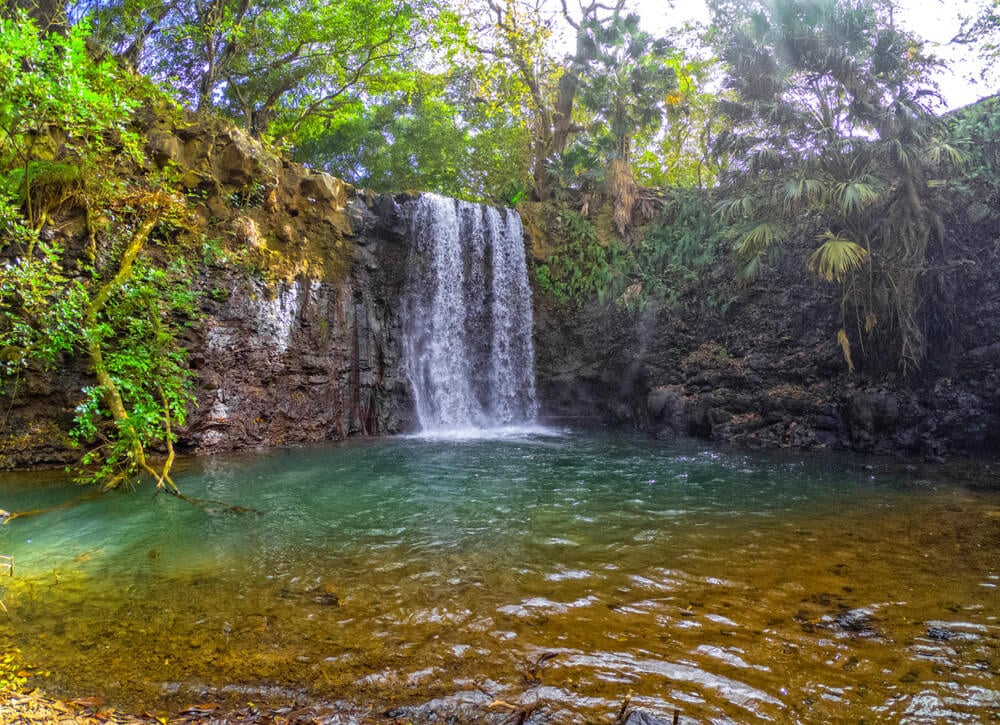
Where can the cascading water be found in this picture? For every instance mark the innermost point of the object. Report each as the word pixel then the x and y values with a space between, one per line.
pixel 467 330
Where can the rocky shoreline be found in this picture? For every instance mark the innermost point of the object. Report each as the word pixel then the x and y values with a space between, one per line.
pixel 32 707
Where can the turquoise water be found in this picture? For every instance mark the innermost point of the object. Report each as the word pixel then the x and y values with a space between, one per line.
pixel 566 569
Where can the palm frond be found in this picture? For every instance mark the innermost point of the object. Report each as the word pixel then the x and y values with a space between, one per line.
pixel 902 154
pixel 845 347
pixel 751 270
pixel 757 238
pixel 836 257
pixel 854 196
pixel 797 191
pixel 736 207
pixel 940 152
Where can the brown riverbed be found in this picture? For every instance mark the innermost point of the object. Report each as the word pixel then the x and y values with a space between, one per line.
pixel 880 604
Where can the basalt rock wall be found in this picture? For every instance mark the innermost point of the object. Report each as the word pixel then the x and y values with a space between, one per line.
pixel 298 339
pixel 760 365
pixel 308 358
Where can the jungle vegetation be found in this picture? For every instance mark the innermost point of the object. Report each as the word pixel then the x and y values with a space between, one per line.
pixel 780 121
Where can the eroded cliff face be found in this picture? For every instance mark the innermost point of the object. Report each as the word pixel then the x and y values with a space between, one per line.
pixel 298 339
pixel 760 366
pixel 305 359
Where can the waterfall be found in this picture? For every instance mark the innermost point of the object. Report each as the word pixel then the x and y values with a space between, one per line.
pixel 467 312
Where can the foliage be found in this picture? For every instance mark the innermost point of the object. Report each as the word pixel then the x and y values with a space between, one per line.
pixel 585 266
pixel 832 138
pixel 127 320
pixel 976 191
pixel 476 100
pixel 271 64
pixel 515 57
pixel 680 244
pixel 39 304
pixel 681 153
pixel 626 78
pixel 422 141
pixel 51 89
pixel 981 31
pixel 64 129
pixel 138 331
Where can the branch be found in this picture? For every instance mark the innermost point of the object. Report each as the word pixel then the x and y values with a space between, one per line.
pixel 351 81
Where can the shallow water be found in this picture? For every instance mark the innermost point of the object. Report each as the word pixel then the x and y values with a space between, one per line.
pixel 566 569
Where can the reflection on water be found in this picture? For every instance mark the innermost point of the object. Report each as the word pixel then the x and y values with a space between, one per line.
pixel 566 570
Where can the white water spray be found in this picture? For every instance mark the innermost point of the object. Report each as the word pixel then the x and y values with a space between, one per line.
pixel 467 335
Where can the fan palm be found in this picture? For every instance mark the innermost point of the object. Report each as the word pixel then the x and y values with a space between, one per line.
pixel 833 139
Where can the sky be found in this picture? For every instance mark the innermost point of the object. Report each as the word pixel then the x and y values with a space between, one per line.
pixel 934 20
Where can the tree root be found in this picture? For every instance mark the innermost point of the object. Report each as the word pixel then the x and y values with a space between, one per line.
pixel 231 508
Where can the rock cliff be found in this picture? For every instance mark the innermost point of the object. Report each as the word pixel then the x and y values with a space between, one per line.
pixel 298 340
pixel 760 365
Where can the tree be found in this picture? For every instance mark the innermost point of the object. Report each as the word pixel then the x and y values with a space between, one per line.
pixel 271 64
pixel 833 137
pixel 47 15
pixel 435 138
pixel 681 153
pixel 518 34
pixel 981 31
pixel 626 77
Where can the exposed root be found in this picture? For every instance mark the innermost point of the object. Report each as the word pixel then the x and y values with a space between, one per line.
pixel 231 508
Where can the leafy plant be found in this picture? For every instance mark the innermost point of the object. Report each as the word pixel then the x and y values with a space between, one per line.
pixel 584 266
pixel 63 124
pixel 137 331
pixel 682 242
pixel 52 95
pixel 832 138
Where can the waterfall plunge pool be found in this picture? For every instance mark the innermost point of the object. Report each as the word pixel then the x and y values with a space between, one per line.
pixel 560 570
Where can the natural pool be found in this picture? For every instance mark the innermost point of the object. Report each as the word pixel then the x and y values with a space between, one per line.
pixel 561 568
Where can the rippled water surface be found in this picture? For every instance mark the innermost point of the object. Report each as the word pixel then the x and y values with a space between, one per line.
pixel 567 570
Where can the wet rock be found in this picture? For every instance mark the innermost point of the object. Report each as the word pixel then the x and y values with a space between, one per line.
pixel 639 717
pixel 327 599
pixel 164 148
pixel 856 622
pixel 657 401
pixel 940 634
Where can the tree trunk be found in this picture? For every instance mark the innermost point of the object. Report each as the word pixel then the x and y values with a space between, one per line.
pixel 562 115
pixel 622 187
pixel 112 395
